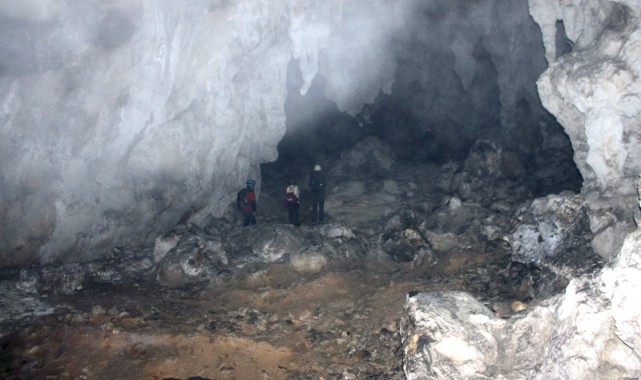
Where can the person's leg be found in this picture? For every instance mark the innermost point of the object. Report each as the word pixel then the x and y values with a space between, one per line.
pixel 296 215
pixel 321 208
pixel 315 201
pixel 290 212
pixel 246 219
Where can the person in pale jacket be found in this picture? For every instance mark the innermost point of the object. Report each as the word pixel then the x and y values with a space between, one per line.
pixel 292 202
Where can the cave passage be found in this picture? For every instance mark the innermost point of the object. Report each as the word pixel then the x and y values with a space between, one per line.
pixel 454 88
pixel 431 188
pixel 317 132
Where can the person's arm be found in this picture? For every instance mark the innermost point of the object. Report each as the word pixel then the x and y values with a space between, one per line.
pixel 252 201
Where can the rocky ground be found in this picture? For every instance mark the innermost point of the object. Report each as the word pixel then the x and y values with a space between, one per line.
pixel 268 324
pixel 318 301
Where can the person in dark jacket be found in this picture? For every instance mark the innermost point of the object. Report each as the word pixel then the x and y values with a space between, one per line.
pixel 292 202
pixel 246 203
pixel 317 185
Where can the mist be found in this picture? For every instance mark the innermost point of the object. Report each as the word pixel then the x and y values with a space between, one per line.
pixel 448 78
pixel 144 114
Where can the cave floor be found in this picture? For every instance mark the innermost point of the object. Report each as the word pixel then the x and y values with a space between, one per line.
pixel 270 324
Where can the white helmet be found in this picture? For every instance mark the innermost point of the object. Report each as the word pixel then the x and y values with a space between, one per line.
pixel 317 168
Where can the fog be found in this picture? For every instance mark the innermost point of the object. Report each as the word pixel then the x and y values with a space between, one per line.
pixel 128 127
pixel 120 119
pixel 460 75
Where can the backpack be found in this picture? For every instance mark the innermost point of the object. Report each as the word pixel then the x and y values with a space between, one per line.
pixel 290 198
pixel 241 199
pixel 290 195
pixel 244 199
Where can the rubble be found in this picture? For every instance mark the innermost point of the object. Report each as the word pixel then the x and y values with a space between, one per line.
pixel 318 300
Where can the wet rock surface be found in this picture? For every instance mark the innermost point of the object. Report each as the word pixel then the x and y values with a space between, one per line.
pixel 221 301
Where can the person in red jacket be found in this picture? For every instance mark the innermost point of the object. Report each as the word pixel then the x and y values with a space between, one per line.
pixel 246 203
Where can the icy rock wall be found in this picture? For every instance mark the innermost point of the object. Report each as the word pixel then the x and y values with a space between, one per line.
pixel 120 118
pixel 595 93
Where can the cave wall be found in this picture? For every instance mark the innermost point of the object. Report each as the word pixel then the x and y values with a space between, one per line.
pixel 121 118
pixel 595 93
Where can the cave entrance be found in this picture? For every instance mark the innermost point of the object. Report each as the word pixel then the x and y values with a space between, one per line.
pixel 453 87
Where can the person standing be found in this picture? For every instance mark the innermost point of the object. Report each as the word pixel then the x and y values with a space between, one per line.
pixel 292 202
pixel 317 185
pixel 246 203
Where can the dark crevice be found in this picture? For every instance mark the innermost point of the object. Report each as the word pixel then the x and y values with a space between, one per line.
pixel 563 43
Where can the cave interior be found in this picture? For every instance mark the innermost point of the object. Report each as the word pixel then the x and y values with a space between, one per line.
pixel 424 184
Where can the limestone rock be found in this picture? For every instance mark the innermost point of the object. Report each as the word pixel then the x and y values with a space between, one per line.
pixel 403 240
pixel 488 171
pixel 308 262
pixel 50 279
pixel 19 303
pixel 181 267
pixel 370 155
pixel 335 231
pixel 163 244
pixel 197 257
pixel 274 243
pixel 357 202
pixel 448 335
pixel 591 331
pixel 584 21
pixel 548 227
pixel 443 242
pixel 594 93
pixel 104 272
pixel 484 160
pixel 623 278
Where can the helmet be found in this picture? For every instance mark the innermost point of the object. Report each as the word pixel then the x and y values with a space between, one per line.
pixel 317 168
pixel 250 183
